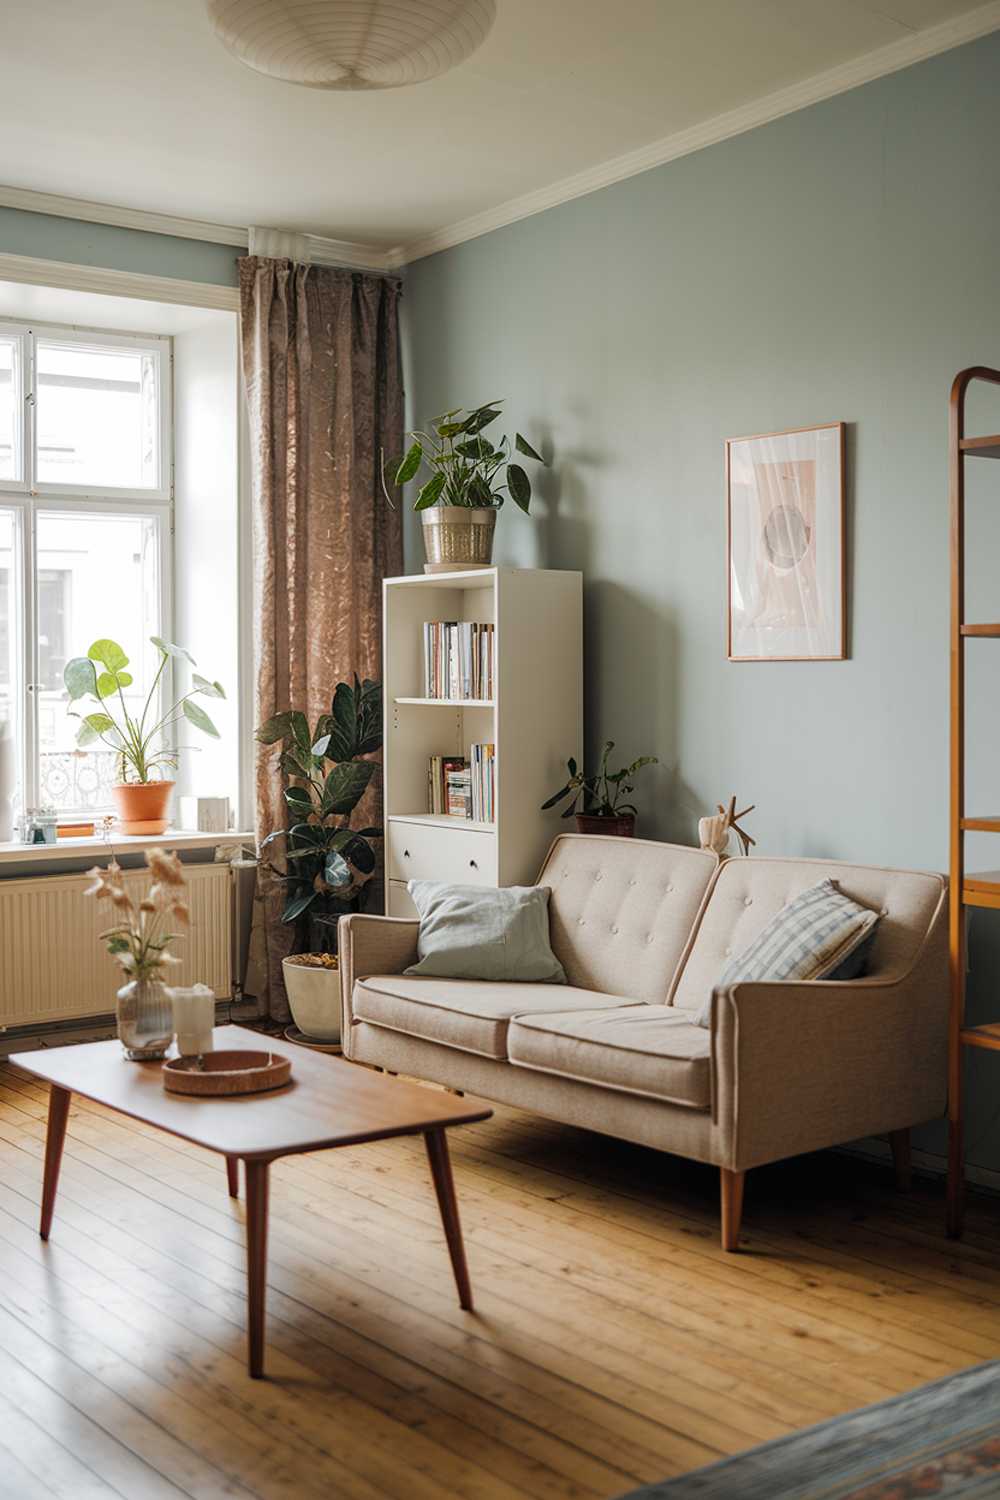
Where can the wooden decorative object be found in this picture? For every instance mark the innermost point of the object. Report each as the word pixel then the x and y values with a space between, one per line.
pixel 733 817
pixel 714 831
pixel 226 1073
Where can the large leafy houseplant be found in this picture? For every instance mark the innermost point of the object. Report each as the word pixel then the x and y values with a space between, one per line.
pixel 465 467
pixel 592 799
pixel 328 863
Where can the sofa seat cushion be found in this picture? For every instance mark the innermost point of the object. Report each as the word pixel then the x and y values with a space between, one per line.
pixel 651 1050
pixel 470 1014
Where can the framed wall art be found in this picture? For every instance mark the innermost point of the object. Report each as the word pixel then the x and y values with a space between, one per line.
pixel 785 525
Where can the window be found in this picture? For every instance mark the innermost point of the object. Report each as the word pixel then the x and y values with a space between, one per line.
pixel 85 459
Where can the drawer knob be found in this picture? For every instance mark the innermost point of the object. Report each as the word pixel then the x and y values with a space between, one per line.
pixel 406 853
pixel 473 865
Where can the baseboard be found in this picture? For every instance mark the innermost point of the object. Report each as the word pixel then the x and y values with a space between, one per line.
pixel 925 1163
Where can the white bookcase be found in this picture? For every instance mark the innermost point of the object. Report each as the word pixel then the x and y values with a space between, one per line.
pixel 535 720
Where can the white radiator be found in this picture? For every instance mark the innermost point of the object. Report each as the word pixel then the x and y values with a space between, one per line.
pixel 53 967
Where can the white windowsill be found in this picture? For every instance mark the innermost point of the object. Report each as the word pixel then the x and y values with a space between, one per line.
pixel 99 849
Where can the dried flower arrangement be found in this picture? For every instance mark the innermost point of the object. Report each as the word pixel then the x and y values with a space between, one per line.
pixel 139 938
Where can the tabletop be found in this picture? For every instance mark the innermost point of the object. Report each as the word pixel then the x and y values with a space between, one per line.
pixel 327 1102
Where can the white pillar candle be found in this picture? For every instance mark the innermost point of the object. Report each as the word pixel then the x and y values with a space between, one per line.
pixel 194 1017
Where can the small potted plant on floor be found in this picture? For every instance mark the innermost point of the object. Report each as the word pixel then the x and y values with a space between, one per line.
pixel 470 477
pixel 604 810
pixel 328 863
pixel 138 738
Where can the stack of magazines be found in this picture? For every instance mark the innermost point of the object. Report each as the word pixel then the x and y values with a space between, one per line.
pixel 460 788
pixel 458 659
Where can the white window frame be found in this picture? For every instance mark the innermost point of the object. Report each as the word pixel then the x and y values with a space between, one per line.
pixel 159 344
pixel 25 430
pixel 28 499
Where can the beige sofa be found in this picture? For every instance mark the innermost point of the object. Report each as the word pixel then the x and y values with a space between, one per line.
pixel 643 930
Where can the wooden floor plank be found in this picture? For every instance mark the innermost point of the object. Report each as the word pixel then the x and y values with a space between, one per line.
pixel 613 1341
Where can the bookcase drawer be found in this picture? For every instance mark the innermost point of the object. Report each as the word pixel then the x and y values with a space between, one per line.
pixel 425 851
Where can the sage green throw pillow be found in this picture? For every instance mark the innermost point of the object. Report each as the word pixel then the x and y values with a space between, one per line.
pixel 472 932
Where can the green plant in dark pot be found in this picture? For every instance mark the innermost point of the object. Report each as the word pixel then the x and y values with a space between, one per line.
pixel 469 476
pixel 329 863
pixel 602 795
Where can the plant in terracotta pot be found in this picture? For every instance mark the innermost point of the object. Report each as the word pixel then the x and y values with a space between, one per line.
pixel 602 795
pixel 329 864
pixel 470 477
pixel 138 737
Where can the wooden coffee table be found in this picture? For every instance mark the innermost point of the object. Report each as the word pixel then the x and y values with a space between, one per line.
pixel 328 1102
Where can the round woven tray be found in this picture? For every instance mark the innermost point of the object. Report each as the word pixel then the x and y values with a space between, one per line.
pixel 226 1073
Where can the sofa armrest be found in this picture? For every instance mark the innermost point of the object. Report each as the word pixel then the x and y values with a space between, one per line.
pixel 371 945
pixel 800 1066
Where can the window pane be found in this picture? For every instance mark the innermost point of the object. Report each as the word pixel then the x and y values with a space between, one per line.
pixel 10 409
pixel 96 416
pixel 97 577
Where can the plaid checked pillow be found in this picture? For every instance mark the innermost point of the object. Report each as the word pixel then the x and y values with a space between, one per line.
pixel 822 934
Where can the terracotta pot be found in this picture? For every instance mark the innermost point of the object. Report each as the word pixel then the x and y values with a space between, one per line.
pixel 142 805
pixel 621 826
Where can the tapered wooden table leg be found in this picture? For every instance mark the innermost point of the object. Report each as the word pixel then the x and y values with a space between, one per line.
pixel 444 1186
pixel 58 1114
pixel 257 1190
pixel 233 1175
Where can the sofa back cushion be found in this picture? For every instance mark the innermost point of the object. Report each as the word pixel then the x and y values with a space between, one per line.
pixel 621 911
pixel 747 893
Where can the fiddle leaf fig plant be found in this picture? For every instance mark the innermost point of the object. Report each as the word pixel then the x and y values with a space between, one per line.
pixel 328 863
pixel 465 467
pixel 138 738
pixel 603 792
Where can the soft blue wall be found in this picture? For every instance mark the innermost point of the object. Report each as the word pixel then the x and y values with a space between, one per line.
pixel 841 263
pixel 53 238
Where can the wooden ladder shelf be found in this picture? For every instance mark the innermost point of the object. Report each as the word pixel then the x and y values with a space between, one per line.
pixel 983 889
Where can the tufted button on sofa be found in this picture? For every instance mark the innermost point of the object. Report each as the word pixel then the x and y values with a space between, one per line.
pixel 643 931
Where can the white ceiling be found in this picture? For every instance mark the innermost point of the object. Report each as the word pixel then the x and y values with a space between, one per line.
pixel 135 103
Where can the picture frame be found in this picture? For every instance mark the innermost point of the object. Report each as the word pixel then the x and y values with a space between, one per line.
pixel 786 587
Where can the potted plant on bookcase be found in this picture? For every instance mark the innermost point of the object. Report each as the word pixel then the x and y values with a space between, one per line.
pixel 329 864
pixel 470 478
pixel 604 810
pixel 138 737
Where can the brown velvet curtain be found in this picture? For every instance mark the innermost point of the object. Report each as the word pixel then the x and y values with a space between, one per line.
pixel 321 363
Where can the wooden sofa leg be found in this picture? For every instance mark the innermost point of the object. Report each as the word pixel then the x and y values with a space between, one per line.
pixel 731 1184
pixel 899 1140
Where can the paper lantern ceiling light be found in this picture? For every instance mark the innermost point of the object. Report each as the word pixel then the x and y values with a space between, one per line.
pixel 352 44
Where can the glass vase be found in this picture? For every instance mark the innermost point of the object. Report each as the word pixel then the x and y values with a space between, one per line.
pixel 145 1019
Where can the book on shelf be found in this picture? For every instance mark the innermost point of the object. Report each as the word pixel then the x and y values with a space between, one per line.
pixel 460 788
pixel 458 659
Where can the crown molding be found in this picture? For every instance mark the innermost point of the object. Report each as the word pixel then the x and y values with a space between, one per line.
pixel 121 218
pixel 315 249
pixel 59 273
pixel 916 47
pixel 350 253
